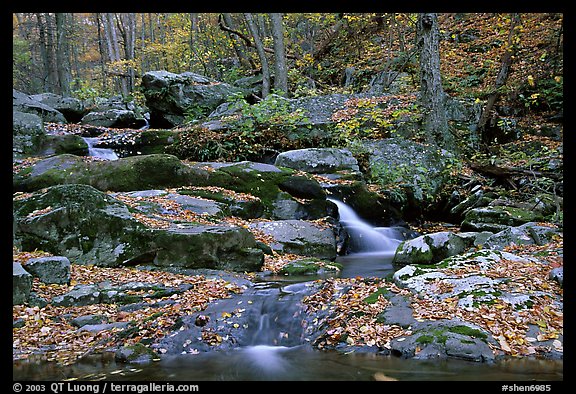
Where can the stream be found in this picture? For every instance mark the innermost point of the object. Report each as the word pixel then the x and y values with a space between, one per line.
pixel 101 153
pixel 273 347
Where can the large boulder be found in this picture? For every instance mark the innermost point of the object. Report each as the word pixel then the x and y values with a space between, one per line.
pixel 28 133
pixel 118 118
pixel 53 269
pixel 279 193
pixel 72 108
pixel 92 227
pixel 498 218
pixel 21 284
pixel 429 248
pixel 409 186
pixel 526 234
pixel 170 97
pixel 65 143
pixel 318 160
pixel 25 103
pixel 127 174
pixel 299 237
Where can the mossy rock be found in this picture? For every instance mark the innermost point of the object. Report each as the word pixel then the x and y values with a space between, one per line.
pixel 91 227
pixel 137 353
pixel 497 218
pixel 67 143
pixel 126 174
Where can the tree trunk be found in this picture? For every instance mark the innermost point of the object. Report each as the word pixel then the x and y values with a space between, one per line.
pixel 47 52
pixel 62 54
pixel 432 94
pixel 103 54
pixel 245 61
pixel 115 54
pixel 261 54
pixel 280 68
pixel 501 79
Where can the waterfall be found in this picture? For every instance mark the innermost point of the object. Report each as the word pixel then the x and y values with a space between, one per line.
pixel 363 236
pixel 101 153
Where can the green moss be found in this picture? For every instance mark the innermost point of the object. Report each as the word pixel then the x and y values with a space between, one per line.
pixel 524 305
pixel 439 335
pixel 373 298
pixel 468 331
pixel 425 339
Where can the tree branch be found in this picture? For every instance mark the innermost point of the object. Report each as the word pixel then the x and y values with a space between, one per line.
pixel 247 40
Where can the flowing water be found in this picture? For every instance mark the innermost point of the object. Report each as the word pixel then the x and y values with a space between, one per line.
pixel 273 345
pixel 370 249
pixel 100 153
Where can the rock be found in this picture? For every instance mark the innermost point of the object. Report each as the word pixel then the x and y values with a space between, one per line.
pixel 391 162
pixel 299 237
pixel 81 295
pixel 54 269
pixel 429 248
pixel 89 226
pixel 126 174
pixel 24 103
pixel 222 247
pixel 527 234
pixel 171 96
pixel 398 313
pixel 475 200
pixel 118 118
pixel 95 328
pixel 71 108
pixel 21 284
pixel 18 323
pixel 36 300
pixel 28 133
pixel 444 339
pixel 557 274
pixel 62 144
pixel 497 218
pixel 84 320
pixel 318 160
pixel 137 353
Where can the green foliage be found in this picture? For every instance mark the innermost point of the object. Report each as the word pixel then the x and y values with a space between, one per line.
pixel 544 94
pixel 195 111
pixel 21 63
pixel 373 117
pixel 87 92
pixel 250 132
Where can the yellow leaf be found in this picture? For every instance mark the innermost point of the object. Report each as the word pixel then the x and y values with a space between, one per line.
pixel 530 80
pixel 226 314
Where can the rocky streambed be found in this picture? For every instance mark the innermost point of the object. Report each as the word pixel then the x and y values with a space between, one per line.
pixel 127 266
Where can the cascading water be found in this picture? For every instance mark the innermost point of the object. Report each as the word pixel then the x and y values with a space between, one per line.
pixel 100 153
pixel 370 250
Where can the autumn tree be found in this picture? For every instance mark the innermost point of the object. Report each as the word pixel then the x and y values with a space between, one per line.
pixel 432 97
